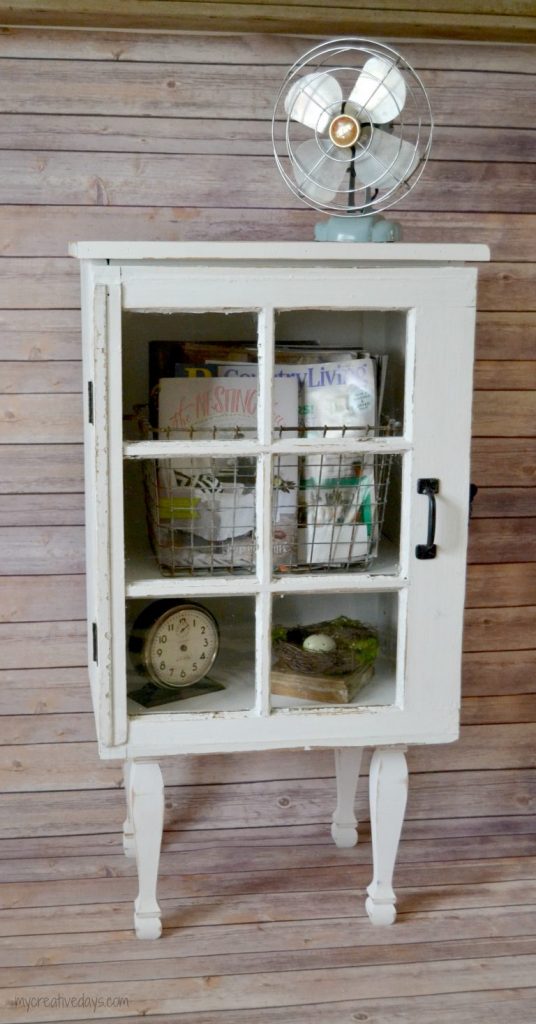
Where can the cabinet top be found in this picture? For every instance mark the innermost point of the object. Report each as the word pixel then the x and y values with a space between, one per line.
pixel 370 253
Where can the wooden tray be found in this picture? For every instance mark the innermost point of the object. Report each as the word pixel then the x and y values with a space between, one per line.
pixel 323 689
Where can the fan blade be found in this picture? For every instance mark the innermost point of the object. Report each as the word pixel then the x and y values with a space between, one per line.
pixel 381 89
pixel 320 169
pixel 386 162
pixel 311 100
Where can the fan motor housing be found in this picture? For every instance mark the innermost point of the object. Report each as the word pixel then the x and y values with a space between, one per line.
pixel 344 130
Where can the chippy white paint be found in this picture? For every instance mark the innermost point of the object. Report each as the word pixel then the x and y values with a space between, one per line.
pixel 437 294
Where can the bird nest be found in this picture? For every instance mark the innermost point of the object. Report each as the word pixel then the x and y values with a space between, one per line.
pixel 356 646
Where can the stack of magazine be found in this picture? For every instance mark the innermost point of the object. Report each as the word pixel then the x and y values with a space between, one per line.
pixel 324 508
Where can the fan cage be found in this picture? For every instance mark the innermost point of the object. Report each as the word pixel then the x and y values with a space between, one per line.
pixel 373 196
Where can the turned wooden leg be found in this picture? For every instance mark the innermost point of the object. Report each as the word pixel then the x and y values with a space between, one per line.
pixel 129 845
pixel 347 765
pixel 147 788
pixel 388 795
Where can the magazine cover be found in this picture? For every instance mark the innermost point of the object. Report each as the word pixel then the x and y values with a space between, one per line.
pixel 337 493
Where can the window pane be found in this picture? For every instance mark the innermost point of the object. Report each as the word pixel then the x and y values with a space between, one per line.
pixel 172 365
pixel 346 510
pixel 334 649
pixel 190 515
pixel 188 656
pixel 350 366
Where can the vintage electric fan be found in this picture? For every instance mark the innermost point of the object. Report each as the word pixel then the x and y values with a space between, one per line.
pixel 351 130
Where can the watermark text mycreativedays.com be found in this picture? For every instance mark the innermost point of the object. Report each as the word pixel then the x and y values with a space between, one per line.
pixel 58 1001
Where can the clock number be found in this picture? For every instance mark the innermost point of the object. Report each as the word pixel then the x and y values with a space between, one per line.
pixel 162 666
pixel 183 674
pixel 202 657
pixel 205 642
pixel 159 652
pixel 162 639
pixel 170 627
pixel 194 667
pixel 203 630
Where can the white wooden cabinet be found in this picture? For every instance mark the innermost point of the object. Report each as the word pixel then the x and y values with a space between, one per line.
pixel 415 305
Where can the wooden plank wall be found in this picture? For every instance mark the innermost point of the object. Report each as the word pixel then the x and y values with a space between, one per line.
pixel 123 135
pixel 498 20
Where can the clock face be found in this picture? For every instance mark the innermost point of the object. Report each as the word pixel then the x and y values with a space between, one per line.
pixel 181 646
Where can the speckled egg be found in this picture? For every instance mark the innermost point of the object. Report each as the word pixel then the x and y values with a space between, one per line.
pixel 319 643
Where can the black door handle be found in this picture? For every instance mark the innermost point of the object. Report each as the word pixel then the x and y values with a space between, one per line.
pixel 430 487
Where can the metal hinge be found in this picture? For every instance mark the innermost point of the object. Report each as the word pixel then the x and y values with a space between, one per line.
pixel 95 643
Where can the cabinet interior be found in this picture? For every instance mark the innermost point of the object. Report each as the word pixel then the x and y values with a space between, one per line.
pixel 192 336
pixel 234 667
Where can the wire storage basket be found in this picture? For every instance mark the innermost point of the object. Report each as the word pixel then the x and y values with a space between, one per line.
pixel 201 518
pixel 327 509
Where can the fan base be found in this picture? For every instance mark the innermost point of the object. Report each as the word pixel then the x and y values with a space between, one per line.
pixel 362 228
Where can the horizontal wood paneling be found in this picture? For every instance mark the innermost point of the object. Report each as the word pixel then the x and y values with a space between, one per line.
pixel 498 629
pixel 35 468
pixel 42 644
pixel 452 20
pixel 136 179
pixel 496 501
pixel 32 691
pixel 211 136
pixel 504 414
pixel 499 585
pixel 514 375
pixel 42 550
pixel 157 90
pixel 251 49
pixel 42 598
pixel 34 377
pixel 504 709
pixel 504 462
pixel 502 540
pixel 47 419
pixel 42 510
pixel 499 672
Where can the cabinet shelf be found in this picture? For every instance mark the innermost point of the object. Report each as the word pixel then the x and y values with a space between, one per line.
pixel 133 450
pixel 239 696
pixel 143 579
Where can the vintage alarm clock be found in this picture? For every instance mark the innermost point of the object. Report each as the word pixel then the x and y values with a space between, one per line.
pixel 174 643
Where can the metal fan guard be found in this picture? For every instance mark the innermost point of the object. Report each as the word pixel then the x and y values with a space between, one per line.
pixel 328 58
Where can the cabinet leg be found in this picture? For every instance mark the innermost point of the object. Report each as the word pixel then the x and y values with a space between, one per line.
pixel 129 845
pixel 347 765
pixel 388 795
pixel 147 788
